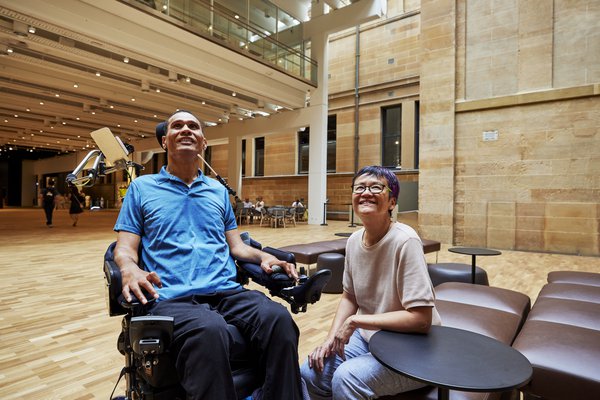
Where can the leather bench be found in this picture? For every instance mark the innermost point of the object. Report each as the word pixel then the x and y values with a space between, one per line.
pixel 307 253
pixel 561 338
pixel 495 312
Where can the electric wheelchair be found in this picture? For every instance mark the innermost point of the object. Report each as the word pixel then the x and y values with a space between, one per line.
pixel 144 340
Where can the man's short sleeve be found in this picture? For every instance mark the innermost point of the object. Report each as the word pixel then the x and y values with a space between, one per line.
pixel 130 217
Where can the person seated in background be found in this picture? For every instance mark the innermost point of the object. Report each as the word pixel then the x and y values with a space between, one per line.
pixel 385 286
pixel 259 206
pixel 247 203
pixel 184 223
pixel 297 203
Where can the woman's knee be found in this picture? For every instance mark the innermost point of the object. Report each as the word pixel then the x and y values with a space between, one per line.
pixel 348 383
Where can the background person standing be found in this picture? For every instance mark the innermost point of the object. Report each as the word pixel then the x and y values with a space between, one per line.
pixel 48 199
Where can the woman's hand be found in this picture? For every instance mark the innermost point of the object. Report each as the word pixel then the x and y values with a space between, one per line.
pixel 316 359
pixel 342 336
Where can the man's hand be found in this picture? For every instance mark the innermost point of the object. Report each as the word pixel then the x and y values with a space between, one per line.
pixel 136 281
pixel 270 264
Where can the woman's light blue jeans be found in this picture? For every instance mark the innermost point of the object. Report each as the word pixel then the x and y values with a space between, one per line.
pixel 361 376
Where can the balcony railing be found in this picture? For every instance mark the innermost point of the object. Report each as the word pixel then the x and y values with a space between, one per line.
pixel 275 40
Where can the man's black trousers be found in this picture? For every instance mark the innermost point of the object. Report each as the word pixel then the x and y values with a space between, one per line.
pixel 201 343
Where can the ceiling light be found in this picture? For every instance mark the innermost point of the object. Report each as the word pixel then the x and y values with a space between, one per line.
pixel 75 85
pixel 133 99
pixel 157 90
pixel 57 95
pixel 125 60
pixel 27 109
pixel 187 79
pixel 77 118
pixel 203 102
pixel 111 106
pixel 9 50
pixel 234 94
pixel 41 103
pixel 98 73
pixel 236 16
pixel 31 29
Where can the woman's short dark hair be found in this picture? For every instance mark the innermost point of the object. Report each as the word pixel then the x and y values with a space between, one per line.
pixel 381 172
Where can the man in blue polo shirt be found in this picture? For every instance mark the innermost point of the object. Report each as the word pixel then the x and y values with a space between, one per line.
pixel 186 228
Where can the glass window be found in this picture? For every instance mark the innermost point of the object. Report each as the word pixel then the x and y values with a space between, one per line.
pixel 417 130
pixel 304 142
pixel 259 156
pixel 391 136
pixel 208 158
pixel 243 157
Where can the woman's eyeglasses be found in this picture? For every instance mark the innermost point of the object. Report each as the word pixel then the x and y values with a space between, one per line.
pixel 374 189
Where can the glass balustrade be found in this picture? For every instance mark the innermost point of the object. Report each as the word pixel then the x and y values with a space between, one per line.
pixel 255 27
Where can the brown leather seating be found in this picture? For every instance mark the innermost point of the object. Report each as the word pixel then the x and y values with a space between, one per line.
pixel 561 338
pixel 307 253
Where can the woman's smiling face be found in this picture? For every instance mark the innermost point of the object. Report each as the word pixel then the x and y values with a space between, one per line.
pixel 367 204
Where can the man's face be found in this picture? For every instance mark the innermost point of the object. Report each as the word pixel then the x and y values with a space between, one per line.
pixel 184 133
pixel 368 203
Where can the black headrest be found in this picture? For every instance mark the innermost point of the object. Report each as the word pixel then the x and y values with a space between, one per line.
pixel 161 130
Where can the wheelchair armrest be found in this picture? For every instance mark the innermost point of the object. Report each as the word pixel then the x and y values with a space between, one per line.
pixel 116 303
pixel 112 279
pixel 308 290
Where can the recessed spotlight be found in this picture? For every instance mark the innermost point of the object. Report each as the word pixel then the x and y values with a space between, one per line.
pixel 157 90
pixel 236 16
pixel 118 125
pixel 234 94
pixel 135 120
pixel 133 99
pixel 16 115
pixel 31 29
pixel 27 109
pixel 125 60
pixel 93 112
pixel 98 73
pixel 9 50
pixel 77 118
pixel 57 95
pixel 75 85
pixel 64 123
pixel 111 106
pixel 41 103
pixel 203 102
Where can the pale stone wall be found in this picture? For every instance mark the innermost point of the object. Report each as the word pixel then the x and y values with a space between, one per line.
pixel 528 70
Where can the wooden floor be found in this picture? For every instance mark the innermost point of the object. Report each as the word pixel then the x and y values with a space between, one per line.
pixel 57 340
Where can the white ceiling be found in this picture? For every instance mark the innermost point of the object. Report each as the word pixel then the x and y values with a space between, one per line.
pixel 52 98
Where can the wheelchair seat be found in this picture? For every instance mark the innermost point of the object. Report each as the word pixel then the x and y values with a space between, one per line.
pixel 144 340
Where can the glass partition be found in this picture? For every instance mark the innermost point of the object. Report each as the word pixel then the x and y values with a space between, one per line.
pixel 254 26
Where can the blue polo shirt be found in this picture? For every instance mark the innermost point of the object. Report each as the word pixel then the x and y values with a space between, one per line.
pixel 182 230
